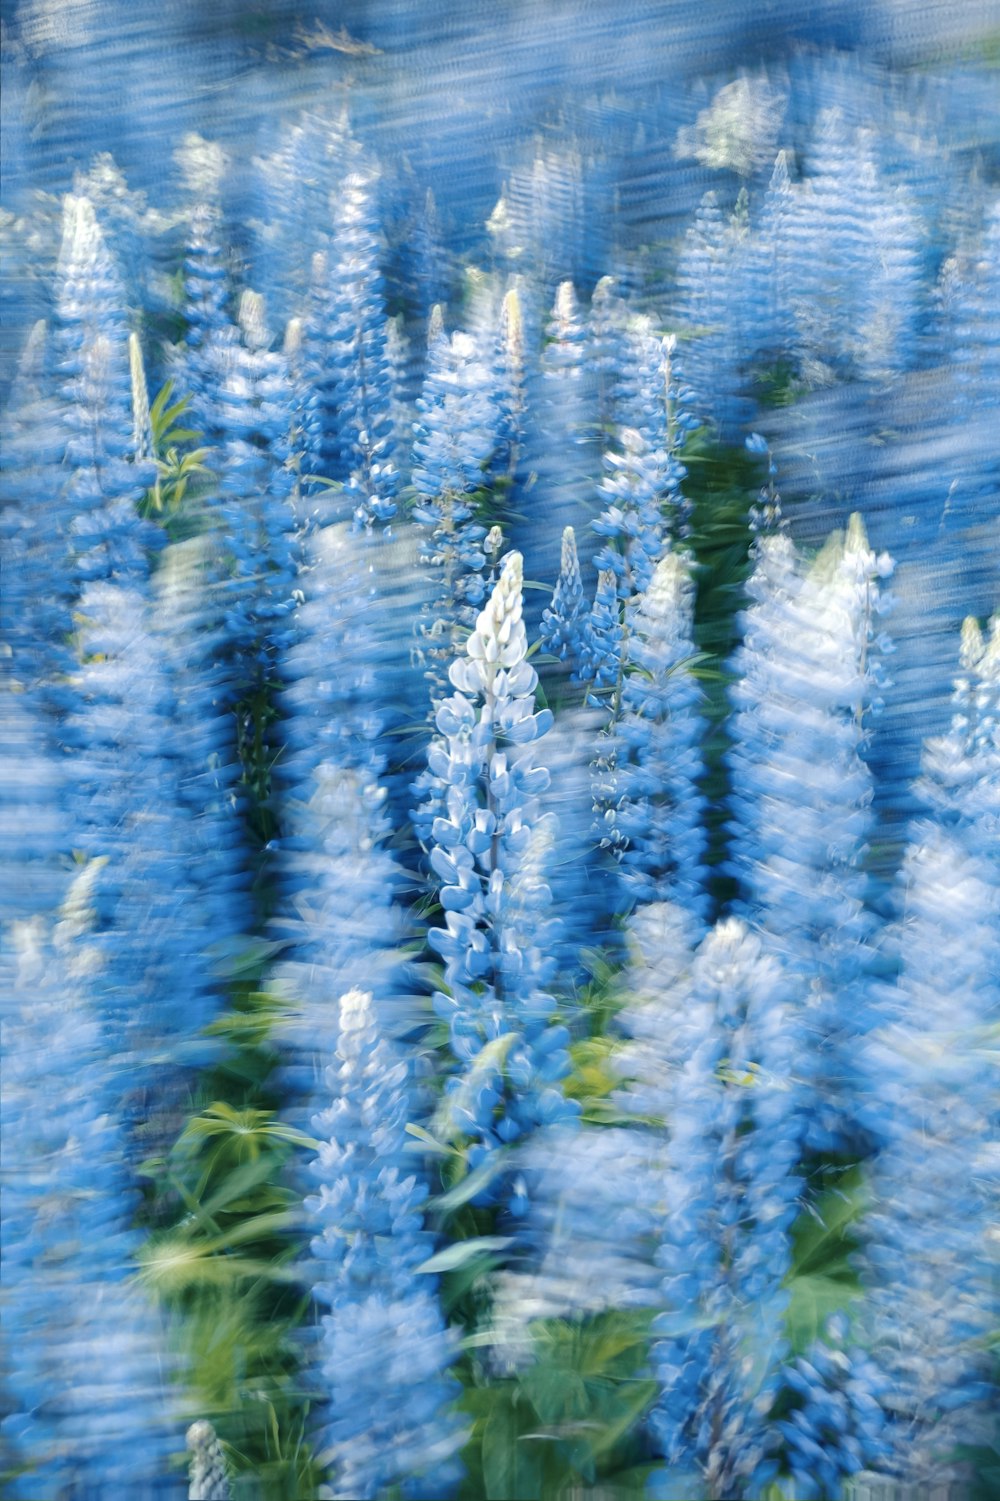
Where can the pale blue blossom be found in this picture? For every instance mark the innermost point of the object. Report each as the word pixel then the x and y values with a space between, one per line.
pixel 494 944
pixel 388 1418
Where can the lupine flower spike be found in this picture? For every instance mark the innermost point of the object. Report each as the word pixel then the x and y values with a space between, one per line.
pixel 385 1351
pixel 208 1480
pixel 562 620
pixel 494 944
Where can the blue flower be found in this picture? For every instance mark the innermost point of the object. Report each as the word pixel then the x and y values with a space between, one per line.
pixel 210 334
pixel 561 448
pixel 660 814
pixel 86 1403
pixel 345 358
pixel 719 1047
pixel 455 443
pixel 126 812
pixel 384 1350
pixel 495 942
pixel 808 684
pixel 561 620
pixel 97 507
pixel 338 879
pixel 633 519
pixel 932 1097
pixel 602 641
pixel 836 1424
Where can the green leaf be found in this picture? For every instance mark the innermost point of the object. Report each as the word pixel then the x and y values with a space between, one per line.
pixel 823 1234
pixel 512 1469
pixel 629 1402
pixel 260 1227
pixel 466 1188
pixel 430 1142
pixel 233 957
pixel 812 1300
pixel 555 1393
pixel 159 401
pixel 237 1183
pixel 463 1251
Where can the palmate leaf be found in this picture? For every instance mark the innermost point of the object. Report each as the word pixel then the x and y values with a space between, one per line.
pixel 822 1234
pixel 567 1418
pixel 239 1182
pixel 162 416
pixel 822 1280
pixel 511 1464
pixel 254 1127
pixel 245 1148
pixel 171 1264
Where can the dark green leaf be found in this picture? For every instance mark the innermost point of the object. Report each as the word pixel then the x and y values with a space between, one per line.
pixel 512 1468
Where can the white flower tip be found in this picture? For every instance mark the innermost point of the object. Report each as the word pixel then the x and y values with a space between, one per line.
pixel 857 537
pixel 513 573
pixel 568 561
pixel 252 320
pixel 355 1009
pixel 435 324
pixel 513 323
pixel 200 1435
pixel 293 336
pixel 564 310
pixel 973 646
pixel 80 229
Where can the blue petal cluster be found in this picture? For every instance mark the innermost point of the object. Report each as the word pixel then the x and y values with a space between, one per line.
pixel 562 446
pixel 85 1369
pixel 562 619
pixel 808 679
pixel 338 879
pixel 632 519
pixel 388 1419
pixel 602 643
pixel 836 1425
pixel 660 812
pixel 497 963
pixel 454 445
pixel 720 1047
pixel 98 500
pixel 930 1269
pixel 360 411
pixel 124 807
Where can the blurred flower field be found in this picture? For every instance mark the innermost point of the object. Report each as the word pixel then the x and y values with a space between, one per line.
pixel 500 743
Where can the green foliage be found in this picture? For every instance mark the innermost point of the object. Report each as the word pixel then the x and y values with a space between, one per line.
pixel 256 716
pixel 721 482
pixel 822 1280
pixel 177 462
pixel 778 385
pixel 226 1230
pixel 594 1079
pixel 570 1421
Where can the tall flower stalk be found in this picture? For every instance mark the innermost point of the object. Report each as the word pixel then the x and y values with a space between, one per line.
pixel 388 1419
pixel 808 685
pixel 510 1053
pixel 85 1375
pixel 930 1267
pixel 717 1056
